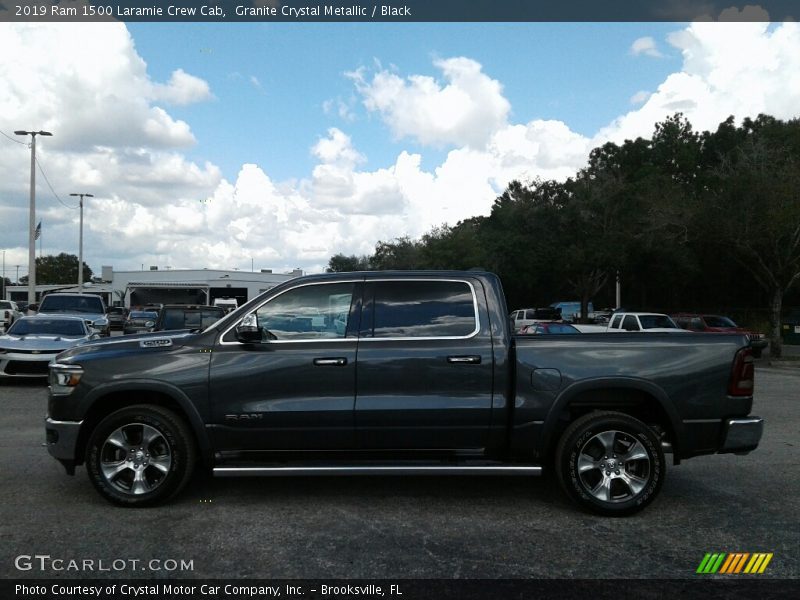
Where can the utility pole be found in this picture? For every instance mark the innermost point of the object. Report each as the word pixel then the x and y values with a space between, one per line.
pixel 80 245
pixel 3 294
pixel 32 219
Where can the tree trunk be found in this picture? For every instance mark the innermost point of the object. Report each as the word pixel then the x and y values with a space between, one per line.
pixel 775 347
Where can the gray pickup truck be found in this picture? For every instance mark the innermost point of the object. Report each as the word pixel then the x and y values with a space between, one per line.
pixel 397 373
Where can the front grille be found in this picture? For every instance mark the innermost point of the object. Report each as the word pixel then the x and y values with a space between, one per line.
pixel 35 351
pixel 24 367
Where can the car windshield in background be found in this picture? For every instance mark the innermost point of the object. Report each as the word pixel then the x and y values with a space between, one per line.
pixel 5 305
pixel 144 315
pixel 719 322
pixel 77 304
pixel 67 327
pixel 656 322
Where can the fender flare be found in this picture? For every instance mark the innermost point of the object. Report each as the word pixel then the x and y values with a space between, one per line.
pixel 604 383
pixel 188 408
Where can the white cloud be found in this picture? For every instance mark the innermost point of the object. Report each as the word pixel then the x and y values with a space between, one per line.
pixel 168 210
pixel 646 46
pixel 465 111
pixel 183 88
pixel 739 69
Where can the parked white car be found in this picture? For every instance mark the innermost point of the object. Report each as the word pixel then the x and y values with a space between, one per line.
pixel 32 342
pixel 640 321
pixel 9 312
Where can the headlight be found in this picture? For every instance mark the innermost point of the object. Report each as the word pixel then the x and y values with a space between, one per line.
pixel 64 378
pixel 101 322
pixel 149 324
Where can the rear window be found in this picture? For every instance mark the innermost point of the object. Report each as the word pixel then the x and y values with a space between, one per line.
pixel 413 309
pixel 4 304
pixel 178 318
pixel 656 321
pixel 719 322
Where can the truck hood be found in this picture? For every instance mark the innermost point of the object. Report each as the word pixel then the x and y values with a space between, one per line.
pixel 141 342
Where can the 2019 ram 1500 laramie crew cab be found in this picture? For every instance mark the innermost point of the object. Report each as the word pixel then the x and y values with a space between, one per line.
pixel 397 372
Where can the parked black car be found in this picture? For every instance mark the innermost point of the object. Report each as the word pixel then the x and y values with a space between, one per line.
pixel 139 321
pixel 187 316
pixel 117 315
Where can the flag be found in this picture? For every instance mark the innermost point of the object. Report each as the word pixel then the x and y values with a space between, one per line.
pixel 38 233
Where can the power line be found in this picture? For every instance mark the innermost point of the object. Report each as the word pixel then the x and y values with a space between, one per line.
pixel 12 139
pixel 41 170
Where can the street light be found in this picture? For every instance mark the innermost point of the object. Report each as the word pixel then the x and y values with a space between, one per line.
pixel 80 245
pixel 32 226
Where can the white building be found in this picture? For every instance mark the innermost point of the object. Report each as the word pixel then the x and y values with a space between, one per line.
pixel 169 286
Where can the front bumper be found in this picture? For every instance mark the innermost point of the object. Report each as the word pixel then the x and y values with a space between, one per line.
pixel 741 435
pixel 25 364
pixel 62 441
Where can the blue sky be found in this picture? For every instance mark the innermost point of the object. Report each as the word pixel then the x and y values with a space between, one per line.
pixel 208 145
pixel 581 73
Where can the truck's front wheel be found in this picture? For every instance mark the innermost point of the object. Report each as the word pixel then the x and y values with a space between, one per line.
pixel 610 463
pixel 140 455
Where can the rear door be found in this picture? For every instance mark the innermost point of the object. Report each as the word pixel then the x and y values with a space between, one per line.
pixel 425 365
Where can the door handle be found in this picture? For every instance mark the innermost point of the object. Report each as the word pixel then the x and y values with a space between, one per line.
pixel 473 360
pixel 330 362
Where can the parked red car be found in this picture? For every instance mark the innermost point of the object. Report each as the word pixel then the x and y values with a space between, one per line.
pixel 720 324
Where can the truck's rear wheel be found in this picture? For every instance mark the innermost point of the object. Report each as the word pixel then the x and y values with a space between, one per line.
pixel 140 455
pixel 610 463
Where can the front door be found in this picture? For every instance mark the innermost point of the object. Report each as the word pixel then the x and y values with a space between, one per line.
pixel 294 390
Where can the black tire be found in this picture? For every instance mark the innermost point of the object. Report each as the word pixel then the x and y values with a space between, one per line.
pixel 592 470
pixel 140 455
pixel 757 352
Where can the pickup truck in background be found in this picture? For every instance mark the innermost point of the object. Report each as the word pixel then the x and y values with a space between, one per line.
pixel 90 307
pixel 413 372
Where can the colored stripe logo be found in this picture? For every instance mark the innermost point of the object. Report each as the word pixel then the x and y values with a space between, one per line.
pixel 734 563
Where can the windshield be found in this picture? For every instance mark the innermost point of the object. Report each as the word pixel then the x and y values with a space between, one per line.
pixel 713 321
pixel 68 327
pixel 657 322
pixel 72 304
pixel 143 315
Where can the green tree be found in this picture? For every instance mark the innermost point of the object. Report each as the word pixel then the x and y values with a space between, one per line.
pixel 339 263
pixel 51 270
pixel 755 207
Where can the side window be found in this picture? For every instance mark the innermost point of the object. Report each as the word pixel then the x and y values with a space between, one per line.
pixel 423 309
pixel 615 322
pixel 308 313
pixel 696 324
pixel 630 324
pixel 519 315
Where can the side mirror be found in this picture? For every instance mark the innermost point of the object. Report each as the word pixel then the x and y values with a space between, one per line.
pixel 248 331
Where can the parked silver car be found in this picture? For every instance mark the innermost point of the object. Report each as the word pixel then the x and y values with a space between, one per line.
pixel 32 342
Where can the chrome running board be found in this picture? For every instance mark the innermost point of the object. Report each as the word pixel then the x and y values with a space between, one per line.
pixel 377 470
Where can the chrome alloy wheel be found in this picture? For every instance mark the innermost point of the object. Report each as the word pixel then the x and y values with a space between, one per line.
pixel 613 466
pixel 135 458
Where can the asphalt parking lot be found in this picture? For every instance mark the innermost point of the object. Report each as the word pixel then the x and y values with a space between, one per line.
pixel 405 527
